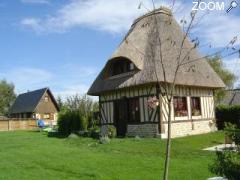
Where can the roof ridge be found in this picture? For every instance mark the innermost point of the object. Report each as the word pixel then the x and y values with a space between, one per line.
pixel 161 10
pixel 46 88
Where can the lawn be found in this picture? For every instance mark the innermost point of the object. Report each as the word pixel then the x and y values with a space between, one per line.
pixel 33 155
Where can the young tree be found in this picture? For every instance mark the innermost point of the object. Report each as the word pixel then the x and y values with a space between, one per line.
pixel 7 96
pixel 160 46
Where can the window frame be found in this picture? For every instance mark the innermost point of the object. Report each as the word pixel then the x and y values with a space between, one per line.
pixel 200 108
pixel 46 99
pixel 120 67
pixel 46 114
pixel 186 106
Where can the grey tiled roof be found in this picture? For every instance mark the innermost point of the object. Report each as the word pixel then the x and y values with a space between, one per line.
pixel 232 97
pixel 27 102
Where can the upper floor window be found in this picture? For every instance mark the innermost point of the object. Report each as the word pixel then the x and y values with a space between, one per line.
pixel 46 116
pixel 46 98
pixel 180 106
pixel 121 66
pixel 196 106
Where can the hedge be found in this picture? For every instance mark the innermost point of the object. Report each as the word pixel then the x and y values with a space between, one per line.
pixel 71 122
pixel 227 114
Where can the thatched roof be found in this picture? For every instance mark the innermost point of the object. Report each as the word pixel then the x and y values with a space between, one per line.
pixel 141 47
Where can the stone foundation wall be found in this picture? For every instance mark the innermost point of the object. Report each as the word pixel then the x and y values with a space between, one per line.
pixel 181 129
pixel 143 130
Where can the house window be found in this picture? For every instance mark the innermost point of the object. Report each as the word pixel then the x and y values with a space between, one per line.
pixel 134 111
pixel 46 99
pixel 196 106
pixel 121 66
pixel 46 116
pixel 132 66
pixel 180 106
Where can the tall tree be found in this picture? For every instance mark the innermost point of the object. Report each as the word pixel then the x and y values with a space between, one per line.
pixel 60 102
pixel 226 75
pixel 7 96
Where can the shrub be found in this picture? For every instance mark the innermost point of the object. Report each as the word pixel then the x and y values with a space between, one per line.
pixel 227 162
pixel 95 132
pixel 112 132
pixel 77 114
pixel 71 122
pixel 233 133
pixel 227 114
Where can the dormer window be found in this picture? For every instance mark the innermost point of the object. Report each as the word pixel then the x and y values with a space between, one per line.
pixel 120 66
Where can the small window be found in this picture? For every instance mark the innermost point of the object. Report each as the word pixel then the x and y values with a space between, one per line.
pixel 46 99
pixel 180 106
pixel 134 112
pixel 196 106
pixel 132 67
pixel 121 66
pixel 46 116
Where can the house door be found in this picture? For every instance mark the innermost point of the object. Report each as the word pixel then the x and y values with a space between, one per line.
pixel 121 116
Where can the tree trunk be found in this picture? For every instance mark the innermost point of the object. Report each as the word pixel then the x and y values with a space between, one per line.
pixel 168 147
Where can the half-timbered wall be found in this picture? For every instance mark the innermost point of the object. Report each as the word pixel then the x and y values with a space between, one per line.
pixel 151 123
pixel 146 114
pixel 188 125
pixel 206 99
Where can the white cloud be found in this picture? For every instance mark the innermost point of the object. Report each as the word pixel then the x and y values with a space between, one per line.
pixel 25 78
pixel 73 89
pixel 68 79
pixel 219 28
pixel 107 15
pixel 116 17
pixel 35 1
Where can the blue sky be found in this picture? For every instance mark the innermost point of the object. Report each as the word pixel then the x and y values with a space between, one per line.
pixel 64 44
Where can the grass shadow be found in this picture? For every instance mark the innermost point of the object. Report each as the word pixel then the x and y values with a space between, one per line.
pixel 217 142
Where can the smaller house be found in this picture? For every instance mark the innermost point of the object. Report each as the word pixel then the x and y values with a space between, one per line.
pixel 232 97
pixel 38 104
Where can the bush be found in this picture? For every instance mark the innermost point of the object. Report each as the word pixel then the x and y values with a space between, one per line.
pixel 227 114
pixel 233 133
pixel 227 162
pixel 112 132
pixel 95 133
pixel 71 122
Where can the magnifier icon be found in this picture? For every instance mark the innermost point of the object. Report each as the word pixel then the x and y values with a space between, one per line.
pixel 233 4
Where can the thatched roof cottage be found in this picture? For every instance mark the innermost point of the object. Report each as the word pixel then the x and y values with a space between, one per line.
pixel 132 74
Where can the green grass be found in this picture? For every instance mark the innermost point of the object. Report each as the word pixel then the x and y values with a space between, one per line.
pixel 33 155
